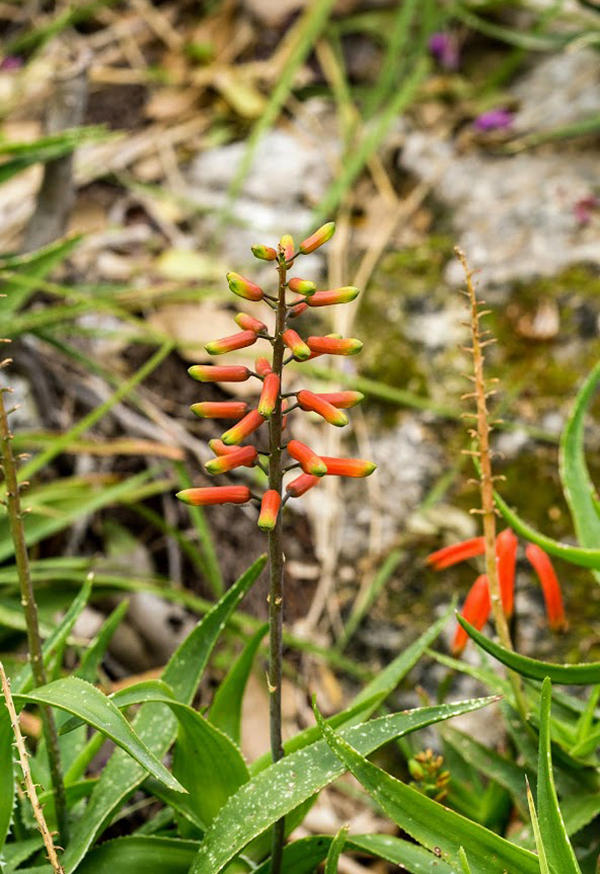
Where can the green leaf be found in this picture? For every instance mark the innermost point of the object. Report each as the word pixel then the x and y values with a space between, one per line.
pixel 576 675
pixel 154 724
pixel 83 700
pixel 539 843
pixel 284 785
pixel 574 474
pixel 464 862
pixel 226 709
pixel 589 558
pixel 207 763
pixel 7 776
pixel 432 825
pixel 138 693
pixel 335 851
pixel 559 851
pixel 140 855
pixel 304 855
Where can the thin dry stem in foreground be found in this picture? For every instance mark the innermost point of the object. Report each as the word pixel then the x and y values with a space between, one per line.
pixel 486 478
pixel 29 784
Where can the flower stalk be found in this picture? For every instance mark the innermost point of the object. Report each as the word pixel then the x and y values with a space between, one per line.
pixel 273 408
pixel 15 515
pixel 486 478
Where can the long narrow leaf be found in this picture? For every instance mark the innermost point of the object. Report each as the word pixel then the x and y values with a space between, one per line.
pixel 432 825
pixel 559 851
pixel 84 701
pixel 280 788
pixel 154 724
pixel 576 675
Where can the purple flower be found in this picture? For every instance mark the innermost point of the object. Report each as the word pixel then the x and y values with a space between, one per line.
pixel 583 209
pixel 494 119
pixel 10 63
pixel 444 48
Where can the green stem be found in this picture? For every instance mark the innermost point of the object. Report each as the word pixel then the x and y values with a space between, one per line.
pixel 13 504
pixel 276 561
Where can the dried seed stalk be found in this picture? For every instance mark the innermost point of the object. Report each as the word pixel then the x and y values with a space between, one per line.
pixel 481 433
pixel 29 784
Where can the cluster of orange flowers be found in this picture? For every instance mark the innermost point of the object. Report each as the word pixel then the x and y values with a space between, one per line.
pixel 477 606
pixel 230 453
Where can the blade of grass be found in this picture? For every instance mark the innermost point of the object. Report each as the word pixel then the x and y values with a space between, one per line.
pixel 365 600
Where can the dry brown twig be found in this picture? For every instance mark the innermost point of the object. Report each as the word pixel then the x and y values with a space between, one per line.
pixel 27 778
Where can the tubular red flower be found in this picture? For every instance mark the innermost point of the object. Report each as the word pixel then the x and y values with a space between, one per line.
pixel 506 559
pixel 284 406
pixel 309 460
pixel 334 346
pixel 269 509
pixel 299 486
pixel 245 456
pixel 215 495
pixel 550 586
pixel 229 344
pixel 264 253
pixel 249 323
pixel 354 467
pixel 302 286
pixel 216 373
pixel 476 610
pixel 310 402
pixel 219 448
pixel 327 337
pixel 297 309
pixel 269 395
pixel 243 287
pixel 296 345
pixel 333 296
pixel 343 400
pixel 262 367
pixel 287 244
pixel 457 552
pixel 320 236
pixel 243 429
pixel 220 409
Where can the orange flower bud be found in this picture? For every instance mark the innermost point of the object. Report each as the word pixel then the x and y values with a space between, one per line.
pixel 215 495
pixel 264 253
pixel 297 309
pixel 302 286
pixel 309 460
pixel 333 346
pixel 301 484
pixel 219 409
pixel 333 296
pixel 244 456
pixel 269 509
pixel 215 373
pixel 550 586
pixel 249 323
pixel 324 233
pixel 296 345
pixel 343 400
pixel 355 467
pixel 268 396
pixel 287 246
pixel 328 336
pixel 476 610
pixel 457 552
pixel 250 423
pixel 262 367
pixel 506 559
pixel 243 287
pixel 229 344
pixel 313 403
pixel 284 406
